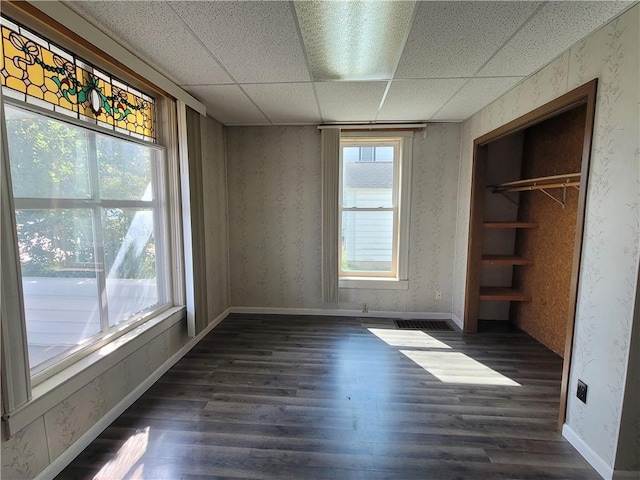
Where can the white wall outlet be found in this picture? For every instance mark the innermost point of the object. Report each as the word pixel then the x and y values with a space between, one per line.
pixel 438 294
pixel 365 308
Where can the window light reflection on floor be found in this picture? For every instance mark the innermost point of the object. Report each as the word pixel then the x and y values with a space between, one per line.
pixel 407 338
pixel 456 367
pixel 127 464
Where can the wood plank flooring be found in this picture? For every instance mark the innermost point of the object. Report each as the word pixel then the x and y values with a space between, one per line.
pixel 286 397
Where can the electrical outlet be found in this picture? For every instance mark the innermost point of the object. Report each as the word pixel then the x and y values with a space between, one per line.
pixel 438 294
pixel 581 393
pixel 365 308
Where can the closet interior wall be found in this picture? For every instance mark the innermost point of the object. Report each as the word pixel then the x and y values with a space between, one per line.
pixel 551 147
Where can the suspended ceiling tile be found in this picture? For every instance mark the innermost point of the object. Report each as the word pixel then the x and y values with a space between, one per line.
pixel 546 36
pixel 349 101
pixel 454 39
pixel 417 99
pixel 257 42
pixel 151 30
pixel 286 102
pixel 228 104
pixel 476 94
pixel 353 40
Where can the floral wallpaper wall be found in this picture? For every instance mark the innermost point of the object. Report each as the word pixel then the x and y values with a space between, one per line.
pixel 274 213
pixel 607 283
pixel 214 178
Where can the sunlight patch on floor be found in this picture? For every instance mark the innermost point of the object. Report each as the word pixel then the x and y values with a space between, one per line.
pixel 407 338
pixel 456 367
pixel 126 463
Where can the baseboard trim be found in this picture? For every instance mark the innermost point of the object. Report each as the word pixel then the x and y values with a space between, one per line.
pixel 55 467
pixel 343 313
pixel 604 469
pixel 457 321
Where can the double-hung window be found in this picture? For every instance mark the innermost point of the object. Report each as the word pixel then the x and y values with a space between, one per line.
pixel 88 194
pixel 373 203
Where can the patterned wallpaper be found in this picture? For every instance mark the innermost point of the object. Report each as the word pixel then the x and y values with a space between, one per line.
pixel 612 231
pixel 32 449
pixel 214 178
pixel 274 212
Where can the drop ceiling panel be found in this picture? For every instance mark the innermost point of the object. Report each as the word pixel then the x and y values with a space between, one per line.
pixel 546 36
pixel 349 101
pixel 285 102
pixel 257 42
pixel 154 32
pixel 413 100
pixel 476 94
pixel 228 104
pixel 454 39
pixel 354 40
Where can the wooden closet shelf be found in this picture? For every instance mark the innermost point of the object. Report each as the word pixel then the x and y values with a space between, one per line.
pixel 503 294
pixel 505 260
pixel 510 225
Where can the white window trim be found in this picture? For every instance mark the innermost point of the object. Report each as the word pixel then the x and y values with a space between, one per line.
pixel 20 386
pixel 400 281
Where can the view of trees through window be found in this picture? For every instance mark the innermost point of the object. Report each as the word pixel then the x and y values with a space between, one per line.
pixel 86 226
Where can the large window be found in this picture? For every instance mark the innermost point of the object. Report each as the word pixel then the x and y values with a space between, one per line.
pixel 88 196
pixel 90 230
pixel 371 172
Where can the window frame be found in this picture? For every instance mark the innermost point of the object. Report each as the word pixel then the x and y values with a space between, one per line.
pixel 162 223
pixel 398 278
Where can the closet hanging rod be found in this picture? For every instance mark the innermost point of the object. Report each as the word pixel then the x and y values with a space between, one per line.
pixel 540 187
pixel 536 181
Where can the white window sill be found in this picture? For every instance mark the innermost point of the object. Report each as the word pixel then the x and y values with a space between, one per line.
pixel 374 283
pixel 55 389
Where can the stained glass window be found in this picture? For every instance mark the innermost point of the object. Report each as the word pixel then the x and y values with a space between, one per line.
pixel 39 72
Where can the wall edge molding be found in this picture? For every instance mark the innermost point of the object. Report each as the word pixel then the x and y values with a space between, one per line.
pixel 64 459
pixel 600 465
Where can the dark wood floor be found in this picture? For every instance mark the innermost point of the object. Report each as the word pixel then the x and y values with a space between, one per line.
pixel 287 397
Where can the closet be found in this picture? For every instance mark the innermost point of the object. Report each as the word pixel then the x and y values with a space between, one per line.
pixel 528 198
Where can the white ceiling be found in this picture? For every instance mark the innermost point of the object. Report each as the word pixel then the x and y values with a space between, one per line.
pixel 247 62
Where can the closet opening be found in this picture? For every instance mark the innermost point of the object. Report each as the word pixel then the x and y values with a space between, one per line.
pixel 528 197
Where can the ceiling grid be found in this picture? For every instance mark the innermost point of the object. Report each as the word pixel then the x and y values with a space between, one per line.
pixel 290 62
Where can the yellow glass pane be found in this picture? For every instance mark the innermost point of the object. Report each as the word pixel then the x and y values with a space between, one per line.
pixel 51 97
pixel 16 84
pixel 35 91
pixel 36 74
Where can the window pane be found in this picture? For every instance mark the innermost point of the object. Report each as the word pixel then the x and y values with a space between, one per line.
pixel 367 241
pixel 367 184
pixel 129 248
pixel 125 169
pixel 59 280
pixel 384 154
pixel 366 154
pixel 350 154
pixel 48 157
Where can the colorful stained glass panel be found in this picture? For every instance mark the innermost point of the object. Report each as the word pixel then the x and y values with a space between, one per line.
pixel 43 71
